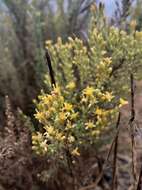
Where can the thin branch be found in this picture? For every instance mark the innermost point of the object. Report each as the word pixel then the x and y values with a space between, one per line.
pixel 131 122
pixel 132 99
pixel 114 177
pixel 51 72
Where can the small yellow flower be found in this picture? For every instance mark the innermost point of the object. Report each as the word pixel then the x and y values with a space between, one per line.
pixel 50 98
pixel 60 137
pixel 47 99
pixel 50 130
pixel 89 91
pixel 89 125
pixel 68 106
pixel 56 91
pixel 84 100
pixel 95 133
pixel 40 116
pixel 52 110
pixel 70 39
pixel 43 145
pixel 107 60
pixel 62 117
pixel 37 137
pixel 71 86
pixel 48 43
pixel 122 102
pixel 75 152
pixel 74 116
pixel 99 111
pixel 108 96
pixel 69 125
pixel 71 139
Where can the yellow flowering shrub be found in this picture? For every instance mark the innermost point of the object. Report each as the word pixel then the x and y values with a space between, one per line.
pixel 91 76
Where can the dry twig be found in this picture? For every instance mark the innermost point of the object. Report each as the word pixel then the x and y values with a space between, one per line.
pixel 131 122
pixel 114 177
pixel 51 72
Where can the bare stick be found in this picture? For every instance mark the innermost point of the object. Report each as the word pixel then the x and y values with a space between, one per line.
pixel 132 100
pixel 131 121
pixel 114 177
pixel 51 72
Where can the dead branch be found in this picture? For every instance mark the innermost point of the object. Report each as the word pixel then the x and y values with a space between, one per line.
pixel 114 176
pixel 51 72
pixel 131 122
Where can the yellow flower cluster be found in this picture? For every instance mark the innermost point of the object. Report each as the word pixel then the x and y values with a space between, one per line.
pixel 57 116
pixel 67 123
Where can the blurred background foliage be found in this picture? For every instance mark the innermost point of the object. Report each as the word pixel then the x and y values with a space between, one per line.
pixel 25 25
